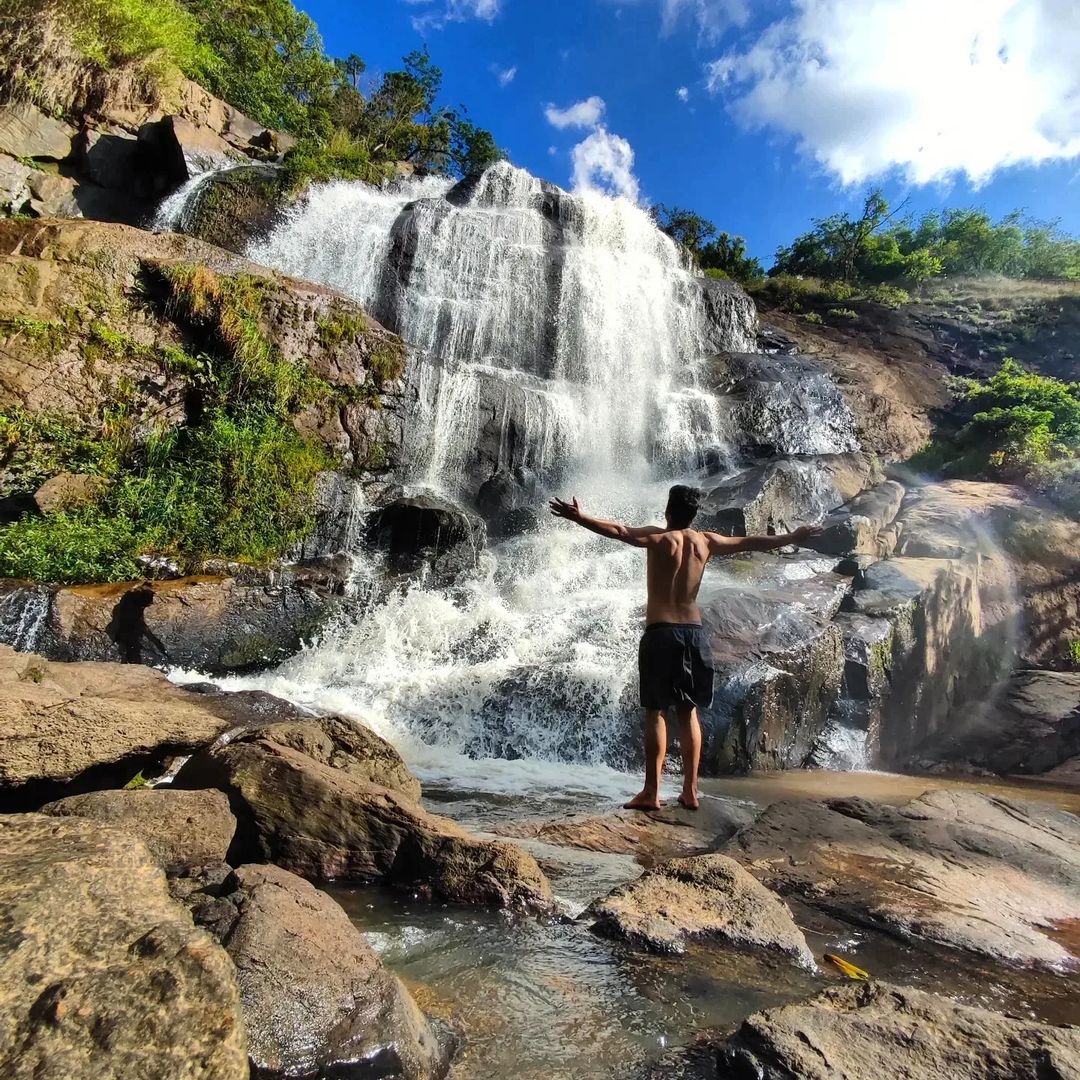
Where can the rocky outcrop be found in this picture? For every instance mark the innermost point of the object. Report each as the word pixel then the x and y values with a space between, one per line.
pixel 510 501
pixel 417 529
pixel 322 818
pixel 980 874
pixel 866 1031
pixel 779 666
pixel 706 896
pixel 316 999
pixel 179 828
pixel 1030 726
pixel 69 728
pixel 103 974
pixel 859 527
pixel 781 495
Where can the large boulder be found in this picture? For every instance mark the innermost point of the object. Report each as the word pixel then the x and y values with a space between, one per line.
pixel 781 495
pixel 866 1031
pixel 316 998
pixel 179 828
pixel 235 207
pixel 101 974
pixel 1030 726
pixel 26 132
pixel 414 529
pixel 857 528
pixel 983 875
pixel 510 501
pixel 322 818
pixel 705 896
pixel 779 665
pixel 69 728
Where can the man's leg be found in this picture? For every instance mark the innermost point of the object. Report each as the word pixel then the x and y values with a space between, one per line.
pixel 690 745
pixel 655 750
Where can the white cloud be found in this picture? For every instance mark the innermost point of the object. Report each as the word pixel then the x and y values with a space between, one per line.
pixel 438 13
pixel 936 88
pixel 504 75
pixel 553 150
pixel 604 162
pixel 713 18
pixel 584 114
pixel 683 93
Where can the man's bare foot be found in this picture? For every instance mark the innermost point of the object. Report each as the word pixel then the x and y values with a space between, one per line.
pixel 688 800
pixel 644 800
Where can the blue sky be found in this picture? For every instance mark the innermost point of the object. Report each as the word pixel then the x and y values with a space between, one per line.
pixel 759 114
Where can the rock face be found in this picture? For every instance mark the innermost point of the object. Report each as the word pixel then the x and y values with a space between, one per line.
pixel 417 528
pixel 705 896
pixel 179 828
pixel 979 874
pixel 1030 726
pixel 316 999
pixel 89 725
pixel 865 1031
pixel 103 974
pixel 857 528
pixel 322 818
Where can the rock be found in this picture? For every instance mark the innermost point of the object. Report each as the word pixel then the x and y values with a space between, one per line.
pixel 781 495
pixel 730 316
pixel 510 501
pixel 668 833
pixel 316 998
pixel 68 728
pixel 325 822
pixel 706 896
pixel 854 530
pixel 238 206
pixel 1029 727
pixel 14 185
pixel 178 149
pixel 68 491
pixel 112 158
pixel 340 508
pixel 53 195
pixel 865 1031
pixel 26 132
pixel 179 828
pixel 963 518
pixel 980 874
pixel 784 405
pixel 415 528
pixel 779 665
pixel 103 975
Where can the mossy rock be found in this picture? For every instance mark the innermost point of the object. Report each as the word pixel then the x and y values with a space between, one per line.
pixel 237 206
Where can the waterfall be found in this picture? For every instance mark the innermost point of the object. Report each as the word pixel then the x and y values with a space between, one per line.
pixel 562 333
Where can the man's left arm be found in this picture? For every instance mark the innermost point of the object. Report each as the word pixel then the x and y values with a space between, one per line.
pixel 635 536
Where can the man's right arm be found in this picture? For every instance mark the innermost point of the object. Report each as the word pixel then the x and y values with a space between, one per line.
pixel 731 545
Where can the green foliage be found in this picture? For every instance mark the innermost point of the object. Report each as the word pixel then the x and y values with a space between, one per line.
pixel 137 781
pixel 70 547
pixel 315 160
pixel 1017 423
pixel 792 293
pixel 341 326
pixel 843 313
pixel 36 446
pixel 720 255
pixel 49 337
pixel 813 317
pixel 1074 653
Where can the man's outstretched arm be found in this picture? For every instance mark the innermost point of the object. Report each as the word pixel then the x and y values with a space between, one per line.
pixel 635 537
pixel 729 545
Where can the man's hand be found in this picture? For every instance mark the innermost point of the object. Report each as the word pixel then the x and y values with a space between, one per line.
pixel 569 510
pixel 805 532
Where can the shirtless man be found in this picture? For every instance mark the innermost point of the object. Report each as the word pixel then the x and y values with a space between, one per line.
pixel 675 662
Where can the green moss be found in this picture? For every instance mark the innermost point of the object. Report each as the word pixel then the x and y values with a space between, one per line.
pixel 48 336
pixel 342 326
pixel 387 362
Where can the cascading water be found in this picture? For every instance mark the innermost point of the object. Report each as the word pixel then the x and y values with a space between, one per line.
pixel 578 326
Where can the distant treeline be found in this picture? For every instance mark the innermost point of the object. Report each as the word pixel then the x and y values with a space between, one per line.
pixel 883 247
pixel 267 59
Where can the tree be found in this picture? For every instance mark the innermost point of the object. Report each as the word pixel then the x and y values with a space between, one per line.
pixel 683 226
pixel 728 254
pixel 472 149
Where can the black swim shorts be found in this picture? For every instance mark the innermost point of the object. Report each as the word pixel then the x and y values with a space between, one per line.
pixel 675 666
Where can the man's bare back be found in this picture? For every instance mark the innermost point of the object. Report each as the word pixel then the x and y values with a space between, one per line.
pixel 674 659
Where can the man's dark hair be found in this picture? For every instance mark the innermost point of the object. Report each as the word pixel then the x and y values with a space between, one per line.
pixel 682 505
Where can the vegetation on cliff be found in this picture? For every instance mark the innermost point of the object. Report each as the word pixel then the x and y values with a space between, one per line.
pixel 266 59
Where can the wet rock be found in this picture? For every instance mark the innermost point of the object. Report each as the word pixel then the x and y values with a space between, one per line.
pixel 14 185
pixel 26 132
pixel 668 833
pixel 340 512
pixel 781 495
pixel 1030 726
pixel 510 501
pixel 179 828
pixel 325 822
pixel 706 896
pixel 855 529
pixel 981 874
pixel 69 728
pixel 865 1031
pixel 104 975
pixel 779 664
pixel 415 529
pixel 784 405
pixel 238 206
pixel 317 1000
pixel 68 491
pixel 730 315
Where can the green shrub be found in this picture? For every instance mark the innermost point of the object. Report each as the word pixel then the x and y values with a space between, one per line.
pixel 342 158
pixel 813 317
pixel 341 326
pixel 887 295
pixel 70 548
pixel 843 313
pixel 35 446
pixel 1074 653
